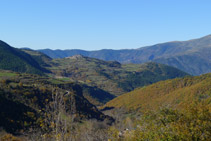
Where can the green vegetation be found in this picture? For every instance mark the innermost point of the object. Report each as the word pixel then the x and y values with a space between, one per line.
pixel 112 76
pixel 109 78
pixel 42 59
pixel 26 100
pixel 192 123
pixel 7 74
pixel 61 105
pixel 17 60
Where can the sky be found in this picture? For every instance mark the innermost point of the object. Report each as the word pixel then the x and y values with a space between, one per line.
pixel 101 24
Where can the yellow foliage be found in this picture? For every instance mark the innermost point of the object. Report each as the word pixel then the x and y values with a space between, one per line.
pixel 88 81
pixel 191 124
pixel 9 137
pixel 170 93
pixel 114 133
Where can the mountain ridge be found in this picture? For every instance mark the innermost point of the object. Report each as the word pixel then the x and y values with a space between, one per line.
pixel 17 60
pixel 111 76
pixel 169 53
pixel 174 93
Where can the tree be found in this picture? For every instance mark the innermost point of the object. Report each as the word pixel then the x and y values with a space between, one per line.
pixel 57 122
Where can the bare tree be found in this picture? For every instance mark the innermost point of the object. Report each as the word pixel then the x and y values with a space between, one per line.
pixel 57 121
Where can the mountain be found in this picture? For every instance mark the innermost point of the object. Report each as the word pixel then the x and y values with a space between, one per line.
pixel 42 59
pixel 100 80
pixel 175 93
pixel 17 60
pixel 178 109
pixel 29 101
pixel 191 56
pixel 111 76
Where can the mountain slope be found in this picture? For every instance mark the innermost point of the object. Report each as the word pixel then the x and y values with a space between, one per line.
pixel 191 56
pixel 17 60
pixel 174 93
pixel 42 59
pixel 26 99
pixel 111 76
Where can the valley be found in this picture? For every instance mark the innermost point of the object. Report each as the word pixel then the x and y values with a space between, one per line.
pixel 111 76
pixel 105 70
pixel 76 96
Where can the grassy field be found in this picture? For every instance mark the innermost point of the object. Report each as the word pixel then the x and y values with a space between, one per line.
pixel 7 74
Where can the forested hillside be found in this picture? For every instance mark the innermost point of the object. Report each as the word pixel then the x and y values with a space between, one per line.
pixel 42 59
pixel 34 102
pixel 101 80
pixel 175 93
pixel 111 76
pixel 17 60
pixel 177 109
pixel 60 101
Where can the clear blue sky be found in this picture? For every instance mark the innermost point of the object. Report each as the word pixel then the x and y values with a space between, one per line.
pixel 100 24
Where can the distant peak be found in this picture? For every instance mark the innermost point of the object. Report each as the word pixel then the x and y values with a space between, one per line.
pixel 4 43
pixel 75 57
pixel 205 38
pixel 208 36
pixel 26 48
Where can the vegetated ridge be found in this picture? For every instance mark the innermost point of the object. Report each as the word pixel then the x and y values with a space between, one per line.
pixel 100 80
pixel 17 60
pixel 42 59
pixel 111 76
pixel 175 93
